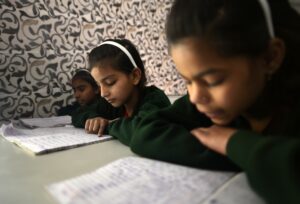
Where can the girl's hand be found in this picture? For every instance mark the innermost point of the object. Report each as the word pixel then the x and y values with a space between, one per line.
pixel 96 125
pixel 214 137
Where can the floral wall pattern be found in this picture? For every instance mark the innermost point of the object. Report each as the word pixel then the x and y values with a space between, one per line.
pixel 44 41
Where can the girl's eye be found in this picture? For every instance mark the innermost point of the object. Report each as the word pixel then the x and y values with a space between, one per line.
pixel 110 82
pixel 81 89
pixel 212 83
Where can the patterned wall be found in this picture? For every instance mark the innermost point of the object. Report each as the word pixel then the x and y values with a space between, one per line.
pixel 44 41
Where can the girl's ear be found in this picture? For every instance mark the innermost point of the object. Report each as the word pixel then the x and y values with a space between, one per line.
pixel 136 75
pixel 275 55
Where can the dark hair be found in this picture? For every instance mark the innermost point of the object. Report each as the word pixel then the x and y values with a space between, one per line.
pixel 86 76
pixel 113 56
pixel 235 27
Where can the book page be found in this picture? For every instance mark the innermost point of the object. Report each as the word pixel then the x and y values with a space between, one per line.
pixel 43 140
pixel 237 190
pixel 138 180
pixel 55 121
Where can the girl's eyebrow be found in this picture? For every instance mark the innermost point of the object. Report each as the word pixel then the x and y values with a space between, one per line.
pixel 107 77
pixel 79 86
pixel 203 73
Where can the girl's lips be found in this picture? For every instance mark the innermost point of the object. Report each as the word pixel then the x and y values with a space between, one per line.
pixel 110 100
pixel 214 114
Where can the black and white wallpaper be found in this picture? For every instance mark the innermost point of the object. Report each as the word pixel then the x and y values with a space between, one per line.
pixel 43 41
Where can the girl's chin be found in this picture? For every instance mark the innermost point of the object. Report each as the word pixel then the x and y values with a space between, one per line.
pixel 116 105
pixel 221 122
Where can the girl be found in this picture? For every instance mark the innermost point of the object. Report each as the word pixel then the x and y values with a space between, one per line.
pixel 117 67
pixel 91 104
pixel 242 74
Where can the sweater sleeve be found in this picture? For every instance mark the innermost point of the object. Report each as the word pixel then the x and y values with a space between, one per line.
pixel 124 128
pixel 80 116
pixel 165 135
pixel 272 164
pixel 100 108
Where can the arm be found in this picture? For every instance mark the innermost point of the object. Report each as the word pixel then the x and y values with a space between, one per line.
pixel 165 135
pixel 272 164
pixel 100 108
pixel 124 128
pixel 80 116
pixel 68 109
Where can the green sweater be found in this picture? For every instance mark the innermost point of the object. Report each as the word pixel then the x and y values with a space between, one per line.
pixel 272 164
pixel 152 99
pixel 271 160
pixel 99 108
pixel 165 135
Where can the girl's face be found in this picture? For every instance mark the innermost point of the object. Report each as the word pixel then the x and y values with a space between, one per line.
pixel 221 88
pixel 83 91
pixel 116 87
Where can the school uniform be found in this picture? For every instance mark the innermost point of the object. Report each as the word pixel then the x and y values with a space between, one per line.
pixel 165 135
pixel 98 108
pixel 271 160
pixel 271 163
pixel 152 99
pixel 68 109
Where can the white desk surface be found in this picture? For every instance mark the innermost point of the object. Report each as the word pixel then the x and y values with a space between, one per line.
pixel 23 176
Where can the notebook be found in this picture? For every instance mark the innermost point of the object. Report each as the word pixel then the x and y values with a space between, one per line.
pixel 136 180
pixel 54 121
pixel 46 140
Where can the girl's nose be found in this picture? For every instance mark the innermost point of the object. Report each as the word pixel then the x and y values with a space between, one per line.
pixel 104 91
pixel 198 94
pixel 76 94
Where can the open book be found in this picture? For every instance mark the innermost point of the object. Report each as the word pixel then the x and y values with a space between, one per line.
pixel 138 180
pixel 45 140
pixel 54 121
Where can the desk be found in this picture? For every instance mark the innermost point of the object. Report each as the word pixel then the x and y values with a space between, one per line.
pixel 23 177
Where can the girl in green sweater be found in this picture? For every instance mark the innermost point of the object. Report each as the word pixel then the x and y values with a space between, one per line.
pixel 90 103
pixel 118 68
pixel 242 70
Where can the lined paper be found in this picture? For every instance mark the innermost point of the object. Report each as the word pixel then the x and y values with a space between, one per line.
pixel 45 140
pixel 138 180
pixel 237 190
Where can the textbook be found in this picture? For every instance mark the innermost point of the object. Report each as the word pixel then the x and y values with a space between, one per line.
pixel 46 140
pixel 138 180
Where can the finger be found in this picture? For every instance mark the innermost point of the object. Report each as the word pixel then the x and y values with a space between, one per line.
pixel 96 126
pixel 87 125
pixel 101 129
pixel 92 125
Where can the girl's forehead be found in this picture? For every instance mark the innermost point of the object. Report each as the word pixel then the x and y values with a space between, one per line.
pixel 199 46
pixel 194 58
pixel 79 81
pixel 100 71
pixel 190 50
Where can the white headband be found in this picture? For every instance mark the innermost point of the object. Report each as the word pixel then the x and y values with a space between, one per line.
pixel 121 47
pixel 267 12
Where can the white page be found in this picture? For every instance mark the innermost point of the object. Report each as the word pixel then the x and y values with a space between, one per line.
pixel 236 191
pixel 137 180
pixel 55 121
pixel 42 140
